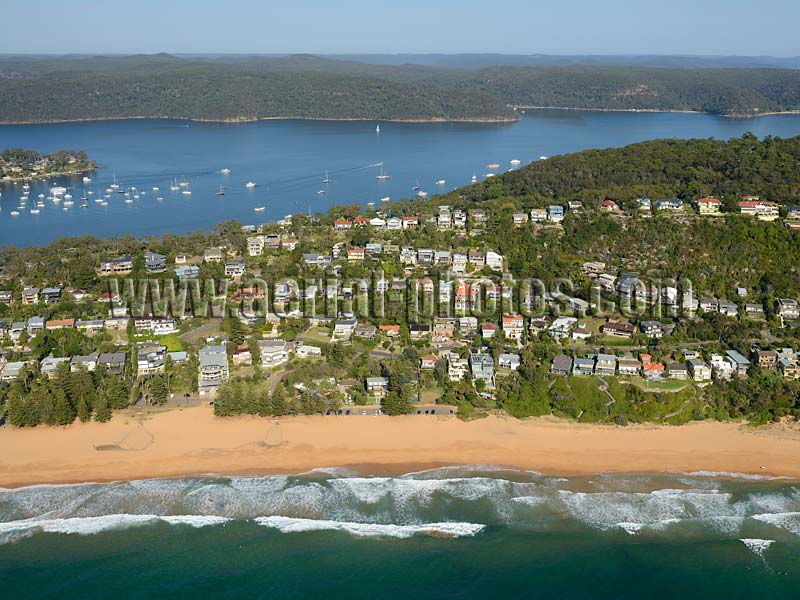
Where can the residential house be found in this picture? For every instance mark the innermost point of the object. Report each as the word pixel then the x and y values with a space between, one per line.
pixel 727 308
pixel 425 256
pixel 30 295
pixel 538 215
pixel 212 255
pixel 676 370
pixel 155 263
pixel 609 205
pixel 49 365
pixel 88 362
pixel 35 325
pixel 652 329
pixel 699 370
pixel 617 328
pixel 763 210
pixel 561 328
pixel 355 253
pixel 513 326
pixel 740 364
pixel 55 324
pixel 669 204
pixel 555 213
pixel 180 259
pixel 90 326
pixel 509 361
pixel 343 329
pixel 113 362
pixel 6 296
pixel 583 366
pixel 186 272
pixel 419 331
pixel 394 224
pixel 234 268
pixel 365 330
pixel 150 360
pixel 11 370
pixel 562 365
pixel 342 225
pixel 787 308
pixel 790 368
pixel 441 258
pixel 476 258
pixel 766 359
pixel 457 367
pixel 482 366
pixel 606 365
pixel 444 328
pixel 519 219
pixel 488 330
pixel 273 352
pixel 213 368
pixel 255 245
pixel 709 206
pixel 390 330
pixel 709 305
pixel 468 326
pixel 410 222
pixel 377 387
pixel 494 260
pixel 628 365
pixel 51 295
pixel 428 363
pixel 122 265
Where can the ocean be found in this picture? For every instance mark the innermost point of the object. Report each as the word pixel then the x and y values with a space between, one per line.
pixel 287 160
pixel 458 532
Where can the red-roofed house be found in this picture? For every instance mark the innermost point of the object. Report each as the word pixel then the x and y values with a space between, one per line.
pixel 709 206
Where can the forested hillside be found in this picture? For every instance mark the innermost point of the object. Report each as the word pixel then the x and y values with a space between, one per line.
pixel 257 87
pixel 659 168
pixel 214 90
pixel 741 92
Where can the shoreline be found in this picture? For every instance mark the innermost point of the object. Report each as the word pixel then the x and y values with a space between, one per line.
pixel 38 177
pixel 192 442
pixel 487 120
pixel 661 110
pixel 235 120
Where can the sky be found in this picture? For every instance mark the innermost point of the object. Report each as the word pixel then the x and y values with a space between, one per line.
pixel 701 27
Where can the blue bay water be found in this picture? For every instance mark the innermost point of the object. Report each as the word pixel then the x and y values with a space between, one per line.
pixel 288 159
pixel 458 532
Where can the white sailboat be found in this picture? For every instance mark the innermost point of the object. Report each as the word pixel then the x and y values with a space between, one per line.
pixel 383 176
pixel 377 129
pixel 327 179
pixel 174 187
pixel 114 185
pixel 225 171
pixel 259 208
pixel 250 185
pixel 474 178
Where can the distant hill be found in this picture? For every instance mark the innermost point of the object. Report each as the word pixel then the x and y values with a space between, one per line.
pixel 65 89
pixel 242 87
pixel 483 61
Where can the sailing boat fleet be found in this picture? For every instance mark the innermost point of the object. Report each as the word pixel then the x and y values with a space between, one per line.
pixel 62 196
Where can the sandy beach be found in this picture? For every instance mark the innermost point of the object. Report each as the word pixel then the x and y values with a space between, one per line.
pixel 192 442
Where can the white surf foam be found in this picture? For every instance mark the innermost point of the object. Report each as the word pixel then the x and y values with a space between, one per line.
pixel 733 475
pixel 790 521
pixel 757 546
pixel 14 530
pixel 296 525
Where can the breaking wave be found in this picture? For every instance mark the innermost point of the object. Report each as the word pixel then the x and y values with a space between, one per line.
pixel 290 525
pixel 450 502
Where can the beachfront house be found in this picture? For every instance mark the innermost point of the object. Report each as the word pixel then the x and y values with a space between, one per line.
pixel 212 369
